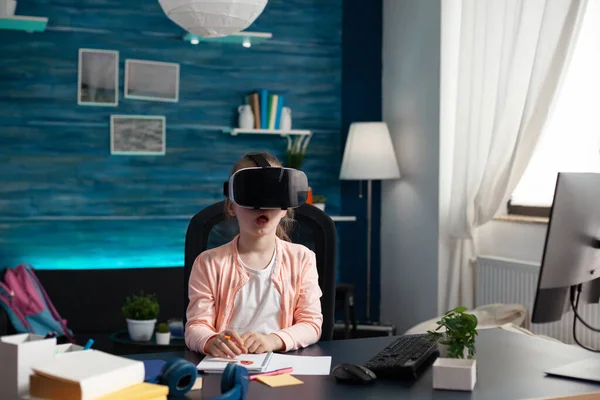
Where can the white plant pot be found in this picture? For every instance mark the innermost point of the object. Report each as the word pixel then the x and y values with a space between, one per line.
pixel 163 338
pixel 140 330
pixel 320 206
pixel 454 374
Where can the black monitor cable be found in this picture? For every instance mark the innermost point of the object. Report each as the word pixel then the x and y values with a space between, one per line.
pixel 576 305
pixel 576 316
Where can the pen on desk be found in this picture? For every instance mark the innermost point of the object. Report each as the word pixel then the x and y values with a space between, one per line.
pixel 89 344
pixel 272 373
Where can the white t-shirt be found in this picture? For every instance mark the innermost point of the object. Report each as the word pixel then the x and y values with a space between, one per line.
pixel 258 304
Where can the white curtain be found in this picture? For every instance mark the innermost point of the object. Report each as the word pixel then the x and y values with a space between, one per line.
pixel 511 58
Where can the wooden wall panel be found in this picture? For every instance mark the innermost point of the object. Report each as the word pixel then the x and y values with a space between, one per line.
pixel 63 196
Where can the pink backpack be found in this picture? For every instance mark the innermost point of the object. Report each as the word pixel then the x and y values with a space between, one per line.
pixel 28 306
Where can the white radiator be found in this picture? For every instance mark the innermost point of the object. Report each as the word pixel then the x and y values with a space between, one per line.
pixel 507 281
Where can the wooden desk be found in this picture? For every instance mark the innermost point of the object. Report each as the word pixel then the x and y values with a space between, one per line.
pixel 510 366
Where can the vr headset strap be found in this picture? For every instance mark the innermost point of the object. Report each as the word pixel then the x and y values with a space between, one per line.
pixel 259 160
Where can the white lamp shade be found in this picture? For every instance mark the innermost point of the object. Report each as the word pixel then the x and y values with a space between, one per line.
pixel 213 18
pixel 369 153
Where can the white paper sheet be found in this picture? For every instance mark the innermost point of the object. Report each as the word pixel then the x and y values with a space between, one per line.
pixel 302 365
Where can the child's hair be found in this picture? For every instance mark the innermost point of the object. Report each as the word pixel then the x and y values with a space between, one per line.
pixel 285 225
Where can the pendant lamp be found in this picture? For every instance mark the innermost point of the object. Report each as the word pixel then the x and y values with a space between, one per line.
pixel 213 18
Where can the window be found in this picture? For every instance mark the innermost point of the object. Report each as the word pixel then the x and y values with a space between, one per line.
pixel 571 139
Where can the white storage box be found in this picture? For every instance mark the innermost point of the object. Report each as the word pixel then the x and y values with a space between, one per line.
pixel 18 353
pixel 454 374
pixel 68 348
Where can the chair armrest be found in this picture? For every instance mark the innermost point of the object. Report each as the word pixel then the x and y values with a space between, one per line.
pixel 5 325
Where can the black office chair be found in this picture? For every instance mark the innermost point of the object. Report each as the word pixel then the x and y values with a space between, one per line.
pixel 312 227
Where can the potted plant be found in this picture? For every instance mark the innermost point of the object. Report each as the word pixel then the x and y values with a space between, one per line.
pixel 140 311
pixel 163 334
pixel 456 367
pixel 319 201
pixel 296 150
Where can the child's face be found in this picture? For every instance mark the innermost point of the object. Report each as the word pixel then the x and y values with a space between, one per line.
pixel 261 222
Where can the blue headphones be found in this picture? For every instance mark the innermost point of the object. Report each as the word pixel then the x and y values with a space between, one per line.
pixel 179 375
pixel 234 383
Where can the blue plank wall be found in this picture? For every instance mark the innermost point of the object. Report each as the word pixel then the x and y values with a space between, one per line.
pixel 65 202
pixel 361 94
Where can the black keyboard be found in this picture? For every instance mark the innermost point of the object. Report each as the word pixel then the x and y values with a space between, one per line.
pixel 406 357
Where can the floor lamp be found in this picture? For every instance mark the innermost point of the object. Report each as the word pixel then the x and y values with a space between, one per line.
pixel 369 155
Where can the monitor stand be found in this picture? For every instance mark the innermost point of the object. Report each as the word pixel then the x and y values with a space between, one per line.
pixel 588 370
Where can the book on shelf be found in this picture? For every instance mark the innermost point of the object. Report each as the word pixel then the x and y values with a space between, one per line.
pixel 255 106
pixel 266 108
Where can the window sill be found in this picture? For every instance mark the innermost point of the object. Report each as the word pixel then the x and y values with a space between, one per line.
pixel 522 219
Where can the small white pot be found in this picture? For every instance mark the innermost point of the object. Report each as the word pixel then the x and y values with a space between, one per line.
pixel 163 338
pixel 141 330
pixel 454 374
pixel 320 206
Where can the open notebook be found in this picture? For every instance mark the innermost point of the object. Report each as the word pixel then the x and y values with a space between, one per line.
pixel 253 362
pixel 258 363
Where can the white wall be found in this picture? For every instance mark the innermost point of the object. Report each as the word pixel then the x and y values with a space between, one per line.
pixel 449 51
pixel 409 226
pixel 522 241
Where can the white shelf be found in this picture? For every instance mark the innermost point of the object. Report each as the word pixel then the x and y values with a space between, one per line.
pixel 24 23
pixel 244 38
pixel 237 131
pixel 343 218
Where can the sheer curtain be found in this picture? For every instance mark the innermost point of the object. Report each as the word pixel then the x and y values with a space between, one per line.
pixel 571 137
pixel 510 62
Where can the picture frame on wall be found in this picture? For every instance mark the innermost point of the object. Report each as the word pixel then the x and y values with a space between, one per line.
pixel 151 80
pixel 98 77
pixel 138 135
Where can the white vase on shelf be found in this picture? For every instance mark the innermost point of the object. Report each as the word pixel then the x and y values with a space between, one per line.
pixel 245 118
pixel 285 123
pixel 7 8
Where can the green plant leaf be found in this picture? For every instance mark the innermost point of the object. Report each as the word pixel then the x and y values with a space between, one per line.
pixel 460 332
pixel 141 307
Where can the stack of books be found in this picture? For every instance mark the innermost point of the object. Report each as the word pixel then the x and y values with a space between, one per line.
pixel 266 108
pixel 93 374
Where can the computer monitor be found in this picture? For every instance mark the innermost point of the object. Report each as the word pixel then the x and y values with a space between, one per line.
pixel 570 271
pixel 571 251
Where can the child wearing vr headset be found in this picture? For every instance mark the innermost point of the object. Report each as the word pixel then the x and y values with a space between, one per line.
pixel 260 292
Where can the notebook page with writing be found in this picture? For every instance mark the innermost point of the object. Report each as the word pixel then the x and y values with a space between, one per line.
pixel 252 362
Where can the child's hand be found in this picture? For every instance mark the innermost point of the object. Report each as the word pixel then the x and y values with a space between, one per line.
pixel 258 343
pixel 226 344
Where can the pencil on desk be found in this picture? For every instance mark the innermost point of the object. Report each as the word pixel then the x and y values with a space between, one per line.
pixel 229 338
pixel 272 373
